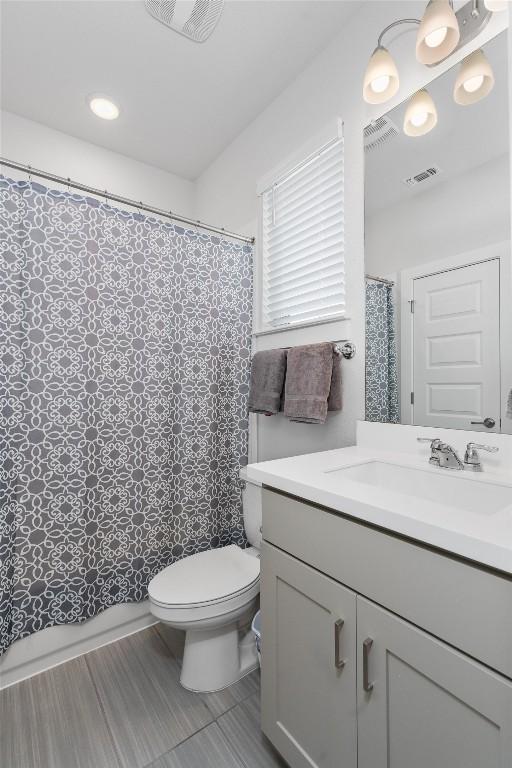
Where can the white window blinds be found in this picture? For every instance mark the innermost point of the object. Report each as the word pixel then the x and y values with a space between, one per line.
pixel 303 242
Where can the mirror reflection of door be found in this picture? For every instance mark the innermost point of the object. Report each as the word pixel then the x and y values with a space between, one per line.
pixel 455 343
pixel 438 234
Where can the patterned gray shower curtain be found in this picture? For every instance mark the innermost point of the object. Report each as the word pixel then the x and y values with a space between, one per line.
pixel 381 363
pixel 124 368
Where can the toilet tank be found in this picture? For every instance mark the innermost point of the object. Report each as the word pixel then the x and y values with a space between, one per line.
pixel 251 500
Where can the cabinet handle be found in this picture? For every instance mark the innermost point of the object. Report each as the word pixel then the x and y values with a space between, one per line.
pixel 338 626
pixel 367 644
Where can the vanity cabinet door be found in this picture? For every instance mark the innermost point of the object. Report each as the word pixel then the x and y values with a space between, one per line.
pixel 429 705
pixel 308 664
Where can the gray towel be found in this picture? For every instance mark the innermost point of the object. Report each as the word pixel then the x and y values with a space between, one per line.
pixel 509 404
pixel 267 379
pixel 334 401
pixel 313 383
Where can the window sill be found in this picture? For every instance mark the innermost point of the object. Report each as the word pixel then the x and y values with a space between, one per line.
pixel 305 324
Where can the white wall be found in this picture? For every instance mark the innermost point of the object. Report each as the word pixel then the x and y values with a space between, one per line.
pixel 330 87
pixel 46 149
pixel 447 218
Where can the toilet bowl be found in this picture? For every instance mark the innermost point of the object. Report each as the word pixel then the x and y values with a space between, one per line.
pixel 213 597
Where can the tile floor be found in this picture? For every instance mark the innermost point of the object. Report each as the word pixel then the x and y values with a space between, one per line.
pixel 122 706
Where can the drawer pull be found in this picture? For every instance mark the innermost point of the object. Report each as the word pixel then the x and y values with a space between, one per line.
pixel 367 644
pixel 338 626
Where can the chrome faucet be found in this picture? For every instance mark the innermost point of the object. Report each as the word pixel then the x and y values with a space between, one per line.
pixel 441 454
pixel 472 458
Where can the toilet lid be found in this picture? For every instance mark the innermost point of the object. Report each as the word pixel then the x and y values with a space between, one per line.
pixel 207 577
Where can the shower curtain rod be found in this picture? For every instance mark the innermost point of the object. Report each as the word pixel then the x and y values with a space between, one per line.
pixel 380 280
pixel 123 200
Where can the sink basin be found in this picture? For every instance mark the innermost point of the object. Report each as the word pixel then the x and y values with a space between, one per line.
pixel 450 488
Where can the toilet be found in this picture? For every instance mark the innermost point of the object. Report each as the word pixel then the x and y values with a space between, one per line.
pixel 213 597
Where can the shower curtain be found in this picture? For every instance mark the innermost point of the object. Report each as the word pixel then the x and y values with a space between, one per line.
pixel 381 363
pixel 124 368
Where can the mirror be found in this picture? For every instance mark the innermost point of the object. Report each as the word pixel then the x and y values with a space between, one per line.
pixel 438 262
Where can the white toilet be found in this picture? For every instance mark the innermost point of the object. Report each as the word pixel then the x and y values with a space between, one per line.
pixel 213 597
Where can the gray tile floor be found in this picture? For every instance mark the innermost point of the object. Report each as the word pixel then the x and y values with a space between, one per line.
pixel 122 706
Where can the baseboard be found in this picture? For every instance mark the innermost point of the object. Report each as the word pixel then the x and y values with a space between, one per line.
pixel 55 645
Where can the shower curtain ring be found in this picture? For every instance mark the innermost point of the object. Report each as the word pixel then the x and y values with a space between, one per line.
pixel 29 173
pixel 69 184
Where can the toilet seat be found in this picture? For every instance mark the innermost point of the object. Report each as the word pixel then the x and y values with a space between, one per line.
pixel 211 578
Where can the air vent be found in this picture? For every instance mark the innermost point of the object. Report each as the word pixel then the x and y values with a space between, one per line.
pixel 379 132
pixel 423 176
pixel 196 19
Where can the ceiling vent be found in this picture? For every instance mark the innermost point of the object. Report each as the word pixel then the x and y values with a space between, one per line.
pixel 379 132
pixel 422 176
pixel 195 19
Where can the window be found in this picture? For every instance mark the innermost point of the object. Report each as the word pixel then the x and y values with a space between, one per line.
pixel 303 242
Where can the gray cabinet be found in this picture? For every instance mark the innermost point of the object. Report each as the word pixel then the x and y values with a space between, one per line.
pixel 429 705
pixel 309 664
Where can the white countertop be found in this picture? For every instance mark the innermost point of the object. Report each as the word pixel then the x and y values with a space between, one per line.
pixel 483 536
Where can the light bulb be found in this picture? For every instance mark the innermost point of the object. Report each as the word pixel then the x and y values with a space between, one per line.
pixel 473 83
pixel 435 38
pixel 381 77
pixel 475 79
pixel 438 33
pixel 104 108
pixel 380 84
pixel 419 119
pixel 420 114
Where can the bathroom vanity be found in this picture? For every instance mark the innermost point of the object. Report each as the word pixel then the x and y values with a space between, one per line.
pixel 386 612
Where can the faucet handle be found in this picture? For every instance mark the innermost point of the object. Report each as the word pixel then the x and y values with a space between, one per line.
pixel 479 447
pixel 472 459
pixel 430 440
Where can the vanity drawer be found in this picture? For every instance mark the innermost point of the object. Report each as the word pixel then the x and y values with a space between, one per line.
pixel 463 604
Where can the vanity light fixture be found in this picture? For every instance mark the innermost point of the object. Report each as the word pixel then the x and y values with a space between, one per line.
pixel 103 107
pixel 474 80
pixel 438 33
pixel 441 31
pixel 381 77
pixel 420 115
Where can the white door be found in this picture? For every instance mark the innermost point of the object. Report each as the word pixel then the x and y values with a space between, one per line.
pixel 308 664
pixel 456 348
pixel 422 704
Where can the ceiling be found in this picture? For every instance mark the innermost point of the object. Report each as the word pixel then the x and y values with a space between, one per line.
pixel 181 102
pixel 464 138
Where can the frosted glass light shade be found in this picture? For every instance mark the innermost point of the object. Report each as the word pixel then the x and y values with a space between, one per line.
pixel 438 34
pixel 381 77
pixel 420 115
pixel 495 5
pixel 474 80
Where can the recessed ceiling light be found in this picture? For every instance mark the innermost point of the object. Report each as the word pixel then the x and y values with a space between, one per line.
pixel 103 107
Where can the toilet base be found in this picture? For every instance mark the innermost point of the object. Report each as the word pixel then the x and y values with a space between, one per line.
pixel 213 659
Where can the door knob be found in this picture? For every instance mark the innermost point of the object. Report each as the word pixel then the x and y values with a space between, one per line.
pixel 487 422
